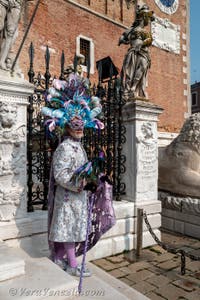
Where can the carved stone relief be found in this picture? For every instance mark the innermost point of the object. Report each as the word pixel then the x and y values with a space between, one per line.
pixel 147 158
pixel 181 204
pixel 166 35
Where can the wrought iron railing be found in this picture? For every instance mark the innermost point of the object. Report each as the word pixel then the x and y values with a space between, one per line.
pixel 40 150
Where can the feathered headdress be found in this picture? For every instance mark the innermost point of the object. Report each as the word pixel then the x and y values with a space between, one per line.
pixel 70 103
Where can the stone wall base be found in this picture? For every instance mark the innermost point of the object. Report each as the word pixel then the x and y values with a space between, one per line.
pixel 180 214
pixel 31 233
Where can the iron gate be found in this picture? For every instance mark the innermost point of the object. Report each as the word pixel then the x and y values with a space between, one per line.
pixel 40 149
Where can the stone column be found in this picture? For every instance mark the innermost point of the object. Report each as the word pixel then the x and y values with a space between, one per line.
pixel 14 94
pixel 141 150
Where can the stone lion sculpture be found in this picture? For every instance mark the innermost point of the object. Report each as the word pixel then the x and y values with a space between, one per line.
pixel 179 162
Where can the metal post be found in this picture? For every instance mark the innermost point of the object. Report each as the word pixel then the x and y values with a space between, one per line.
pixel 139 230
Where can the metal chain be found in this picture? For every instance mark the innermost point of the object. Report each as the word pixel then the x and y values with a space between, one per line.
pixel 170 248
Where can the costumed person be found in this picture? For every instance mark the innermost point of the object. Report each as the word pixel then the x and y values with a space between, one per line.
pixel 137 60
pixel 79 194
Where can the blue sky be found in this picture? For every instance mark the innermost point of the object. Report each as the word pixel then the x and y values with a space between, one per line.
pixel 195 40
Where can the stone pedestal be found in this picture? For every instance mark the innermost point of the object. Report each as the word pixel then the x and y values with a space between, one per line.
pixel 141 150
pixel 14 94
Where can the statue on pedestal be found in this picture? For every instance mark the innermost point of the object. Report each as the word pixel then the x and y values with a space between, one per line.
pixel 137 60
pixel 10 11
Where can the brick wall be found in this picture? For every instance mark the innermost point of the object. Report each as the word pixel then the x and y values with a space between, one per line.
pixel 58 23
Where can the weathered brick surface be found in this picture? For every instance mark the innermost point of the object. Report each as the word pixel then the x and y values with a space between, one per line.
pixel 168 265
pixel 159 280
pixel 154 296
pixel 157 283
pixel 185 284
pixel 58 23
pixel 171 292
pixel 144 287
pixel 140 276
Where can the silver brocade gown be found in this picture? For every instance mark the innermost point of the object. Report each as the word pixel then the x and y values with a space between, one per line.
pixel 69 222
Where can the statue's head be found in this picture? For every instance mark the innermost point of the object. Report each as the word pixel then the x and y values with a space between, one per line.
pixel 8 113
pixel 190 133
pixel 144 13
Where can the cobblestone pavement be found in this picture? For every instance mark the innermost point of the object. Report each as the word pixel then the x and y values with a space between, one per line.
pixel 157 274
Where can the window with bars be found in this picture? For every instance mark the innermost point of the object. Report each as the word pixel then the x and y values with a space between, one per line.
pixel 85 46
pixel 85 50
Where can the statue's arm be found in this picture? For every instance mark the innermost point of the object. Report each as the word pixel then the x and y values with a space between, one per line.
pixel 148 40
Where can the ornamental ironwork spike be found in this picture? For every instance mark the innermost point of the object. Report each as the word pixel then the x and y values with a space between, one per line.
pixel 100 71
pixel 47 57
pixel 75 63
pixel 111 71
pixel 88 66
pixel 31 73
pixel 62 66
pixel 31 52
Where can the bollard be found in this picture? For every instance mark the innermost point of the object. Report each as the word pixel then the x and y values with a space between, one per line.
pixel 139 230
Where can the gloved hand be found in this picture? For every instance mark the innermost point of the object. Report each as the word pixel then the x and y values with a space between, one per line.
pixel 91 186
pixel 106 178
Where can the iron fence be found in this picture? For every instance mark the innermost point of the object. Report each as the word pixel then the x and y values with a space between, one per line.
pixel 40 149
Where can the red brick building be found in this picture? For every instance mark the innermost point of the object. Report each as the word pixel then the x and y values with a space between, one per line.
pixel 98 24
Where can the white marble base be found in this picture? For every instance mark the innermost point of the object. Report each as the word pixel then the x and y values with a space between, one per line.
pixel 30 234
pixel 10 264
pixel 44 280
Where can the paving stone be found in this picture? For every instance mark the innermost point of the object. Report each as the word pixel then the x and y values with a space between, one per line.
pixel 197 276
pixel 117 273
pixel 164 257
pixel 139 266
pixel 196 244
pixel 154 296
pixel 121 264
pixel 156 270
pixel 195 252
pixel 157 249
pixel 174 274
pixel 169 265
pixel 140 275
pixel 104 264
pixel 127 281
pixel 194 295
pixel 159 280
pixel 116 258
pixel 194 266
pixel 144 287
pixel 187 285
pixel 171 292
pixel 125 270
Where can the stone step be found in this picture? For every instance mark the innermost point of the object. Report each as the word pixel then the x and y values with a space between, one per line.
pixel 11 265
pixel 43 280
pixel 113 287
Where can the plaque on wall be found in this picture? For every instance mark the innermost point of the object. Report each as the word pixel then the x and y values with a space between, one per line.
pixel 166 35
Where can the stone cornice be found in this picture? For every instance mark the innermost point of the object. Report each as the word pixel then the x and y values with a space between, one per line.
pixel 96 14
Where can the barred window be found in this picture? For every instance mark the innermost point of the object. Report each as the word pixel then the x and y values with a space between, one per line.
pixel 85 50
pixel 85 46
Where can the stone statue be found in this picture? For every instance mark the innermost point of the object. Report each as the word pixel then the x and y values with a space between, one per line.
pixel 8 114
pixel 10 11
pixel 137 60
pixel 179 162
